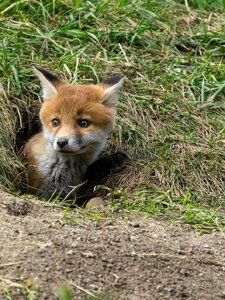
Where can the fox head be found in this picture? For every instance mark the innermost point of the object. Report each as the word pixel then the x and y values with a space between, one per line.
pixel 77 118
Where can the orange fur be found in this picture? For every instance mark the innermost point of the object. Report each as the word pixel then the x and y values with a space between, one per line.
pixel 34 147
pixel 45 160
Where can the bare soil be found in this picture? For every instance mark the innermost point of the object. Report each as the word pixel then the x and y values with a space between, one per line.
pixel 113 259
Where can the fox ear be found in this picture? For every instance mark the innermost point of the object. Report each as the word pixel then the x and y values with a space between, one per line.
pixel 48 83
pixel 112 87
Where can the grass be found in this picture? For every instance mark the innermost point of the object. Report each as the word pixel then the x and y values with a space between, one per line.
pixel 171 113
pixel 64 291
pixel 165 205
pixel 24 288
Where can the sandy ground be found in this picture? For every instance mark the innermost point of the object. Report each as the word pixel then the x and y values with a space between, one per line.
pixel 114 259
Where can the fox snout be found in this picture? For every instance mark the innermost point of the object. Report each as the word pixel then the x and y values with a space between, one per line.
pixel 62 142
pixel 77 145
pixel 66 144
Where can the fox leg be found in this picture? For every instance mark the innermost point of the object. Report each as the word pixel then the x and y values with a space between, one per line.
pixel 51 190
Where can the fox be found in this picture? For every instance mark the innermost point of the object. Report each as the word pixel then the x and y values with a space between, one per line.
pixel 76 121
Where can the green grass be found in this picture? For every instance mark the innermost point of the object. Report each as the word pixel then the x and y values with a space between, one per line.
pixel 64 291
pixel 21 288
pixel 165 205
pixel 171 114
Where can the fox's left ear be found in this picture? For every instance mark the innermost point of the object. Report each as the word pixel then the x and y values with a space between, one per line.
pixel 111 90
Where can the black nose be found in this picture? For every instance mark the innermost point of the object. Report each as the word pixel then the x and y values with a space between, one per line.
pixel 62 142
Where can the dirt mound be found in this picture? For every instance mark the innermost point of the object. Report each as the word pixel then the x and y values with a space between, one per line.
pixel 113 259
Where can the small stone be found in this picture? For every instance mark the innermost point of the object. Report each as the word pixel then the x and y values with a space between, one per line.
pixel 159 288
pixel 93 287
pixel 108 223
pixel 96 203
pixel 223 294
pixel 134 224
pixel 184 272
pixel 88 254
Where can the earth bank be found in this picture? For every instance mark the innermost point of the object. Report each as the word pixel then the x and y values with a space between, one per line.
pixel 140 258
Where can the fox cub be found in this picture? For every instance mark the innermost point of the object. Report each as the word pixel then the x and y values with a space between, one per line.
pixel 76 122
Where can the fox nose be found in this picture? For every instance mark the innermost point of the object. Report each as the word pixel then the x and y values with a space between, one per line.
pixel 62 142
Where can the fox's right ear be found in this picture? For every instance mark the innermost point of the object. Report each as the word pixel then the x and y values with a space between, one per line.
pixel 49 83
pixel 112 87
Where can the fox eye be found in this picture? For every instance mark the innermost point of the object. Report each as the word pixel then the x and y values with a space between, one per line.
pixel 84 123
pixel 55 122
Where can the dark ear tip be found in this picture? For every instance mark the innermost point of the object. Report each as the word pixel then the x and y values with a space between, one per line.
pixel 114 80
pixel 42 70
pixel 47 74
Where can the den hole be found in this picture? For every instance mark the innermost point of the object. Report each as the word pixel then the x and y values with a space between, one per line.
pixel 31 126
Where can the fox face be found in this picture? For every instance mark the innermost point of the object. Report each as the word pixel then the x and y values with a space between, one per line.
pixel 77 119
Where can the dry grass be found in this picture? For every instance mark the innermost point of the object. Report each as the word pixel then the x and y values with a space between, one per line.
pixel 8 159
